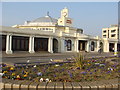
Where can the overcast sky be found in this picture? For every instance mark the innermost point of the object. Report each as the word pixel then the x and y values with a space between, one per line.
pixel 90 16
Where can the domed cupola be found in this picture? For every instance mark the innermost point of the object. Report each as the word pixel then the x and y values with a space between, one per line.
pixel 47 20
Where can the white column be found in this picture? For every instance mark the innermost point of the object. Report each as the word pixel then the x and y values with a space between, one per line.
pixel 9 44
pixel 98 45
pixel 76 45
pixel 72 43
pixel 50 45
pixel 62 45
pixel 106 46
pixel 31 44
pixel 88 46
pixel 115 46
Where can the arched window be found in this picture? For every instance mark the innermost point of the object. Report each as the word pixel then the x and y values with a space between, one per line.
pixel 92 46
pixel 69 45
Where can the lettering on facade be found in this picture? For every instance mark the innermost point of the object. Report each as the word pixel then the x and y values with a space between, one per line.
pixel 69 21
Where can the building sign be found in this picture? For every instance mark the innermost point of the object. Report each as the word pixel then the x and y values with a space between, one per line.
pixel 69 21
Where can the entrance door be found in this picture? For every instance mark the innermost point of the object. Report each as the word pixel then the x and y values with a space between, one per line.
pixel 20 43
pixel 82 45
pixel 55 45
pixel 111 47
pixel 41 44
pixel 3 40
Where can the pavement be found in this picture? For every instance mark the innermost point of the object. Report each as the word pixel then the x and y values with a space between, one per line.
pixel 23 57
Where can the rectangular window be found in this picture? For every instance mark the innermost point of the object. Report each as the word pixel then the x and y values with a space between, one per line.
pixel 113 35
pixel 104 36
pixel 104 31
pixel 113 31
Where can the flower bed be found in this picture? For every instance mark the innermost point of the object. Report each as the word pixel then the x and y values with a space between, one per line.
pixel 91 70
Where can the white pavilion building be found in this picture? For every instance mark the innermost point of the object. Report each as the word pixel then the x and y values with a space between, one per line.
pixel 51 35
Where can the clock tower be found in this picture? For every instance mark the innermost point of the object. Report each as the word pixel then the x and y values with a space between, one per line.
pixel 64 12
pixel 64 20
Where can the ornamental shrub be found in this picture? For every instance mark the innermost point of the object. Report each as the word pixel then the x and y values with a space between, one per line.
pixel 79 60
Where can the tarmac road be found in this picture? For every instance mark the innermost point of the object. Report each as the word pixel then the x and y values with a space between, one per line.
pixel 45 57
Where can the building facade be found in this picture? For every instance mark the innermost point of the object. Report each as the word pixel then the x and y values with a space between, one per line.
pixel 112 32
pixel 111 37
pixel 51 35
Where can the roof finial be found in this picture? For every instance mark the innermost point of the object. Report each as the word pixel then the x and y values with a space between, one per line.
pixel 65 7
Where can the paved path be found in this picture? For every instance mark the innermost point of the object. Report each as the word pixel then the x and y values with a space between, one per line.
pixel 20 57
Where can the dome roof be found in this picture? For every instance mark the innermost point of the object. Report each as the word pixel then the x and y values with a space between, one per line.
pixel 45 19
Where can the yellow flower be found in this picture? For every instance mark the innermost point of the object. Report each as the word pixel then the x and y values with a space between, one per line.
pixel 50 81
pixel 88 60
pixel 5 71
pixel 13 74
pixel 11 68
pixel 18 76
pixel 88 64
pixel 26 73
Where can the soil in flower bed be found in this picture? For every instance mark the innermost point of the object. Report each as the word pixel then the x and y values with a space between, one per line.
pixel 92 70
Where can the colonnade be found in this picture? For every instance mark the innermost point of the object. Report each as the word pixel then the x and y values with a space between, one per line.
pixel 61 41
pixel 31 44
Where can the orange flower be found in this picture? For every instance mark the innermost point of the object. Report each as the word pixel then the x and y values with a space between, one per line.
pixel 25 75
